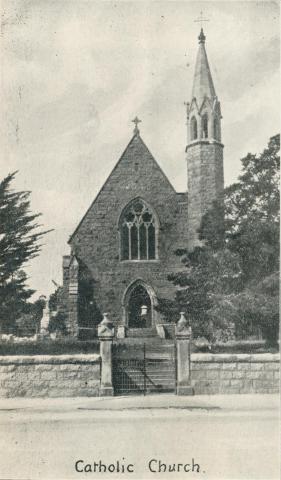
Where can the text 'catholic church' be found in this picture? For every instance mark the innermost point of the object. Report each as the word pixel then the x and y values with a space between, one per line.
pixel 124 247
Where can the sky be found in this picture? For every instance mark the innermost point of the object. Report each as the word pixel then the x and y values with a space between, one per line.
pixel 75 73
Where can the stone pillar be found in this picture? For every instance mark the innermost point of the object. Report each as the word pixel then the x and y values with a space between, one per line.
pixel 45 320
pixel 121 331
pixel 72 324
pixel 183 337
pixel 106 334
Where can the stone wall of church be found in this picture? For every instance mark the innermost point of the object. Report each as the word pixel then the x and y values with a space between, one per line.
pixel 96 243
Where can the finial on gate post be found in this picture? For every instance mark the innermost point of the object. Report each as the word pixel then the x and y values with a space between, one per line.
pixel 105 328
pixel 182 327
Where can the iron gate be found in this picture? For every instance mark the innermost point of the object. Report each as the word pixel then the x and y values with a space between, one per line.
pixel 142 369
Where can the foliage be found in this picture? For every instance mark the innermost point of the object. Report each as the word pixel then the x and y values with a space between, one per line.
pixel 232 278
pixel 55 299
pixel 206 274
pixel 49 347
pixel 19 243
pixel 28 323
pixel 169 309
pixel 89 312
pixel 254 308
pixel 57 323
pixel 25 325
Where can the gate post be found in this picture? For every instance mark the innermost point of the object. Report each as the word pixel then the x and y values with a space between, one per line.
pixel 183 336
pixel 106 334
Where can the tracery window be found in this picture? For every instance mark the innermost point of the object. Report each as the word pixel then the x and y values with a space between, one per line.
pixel 138 232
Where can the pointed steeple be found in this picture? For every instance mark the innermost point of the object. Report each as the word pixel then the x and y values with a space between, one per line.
pixel 203 85
pixel 203 111
pixel 204 150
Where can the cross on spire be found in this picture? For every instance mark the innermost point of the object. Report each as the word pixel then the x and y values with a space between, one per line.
pixel 201 19
pixel 136 121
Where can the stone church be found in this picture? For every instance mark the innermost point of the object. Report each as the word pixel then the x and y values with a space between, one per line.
pixel 123 249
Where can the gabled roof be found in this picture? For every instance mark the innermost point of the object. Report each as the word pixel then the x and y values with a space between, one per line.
pixel 138 144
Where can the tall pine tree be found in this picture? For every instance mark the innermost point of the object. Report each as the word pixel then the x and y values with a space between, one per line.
pixel 19 242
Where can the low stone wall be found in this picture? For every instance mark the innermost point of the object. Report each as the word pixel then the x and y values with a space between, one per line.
pixel 241 373
pixel 50 376
pixel 80 375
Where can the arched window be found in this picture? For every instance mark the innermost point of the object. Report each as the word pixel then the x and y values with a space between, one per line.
pixel 193 124
pixel 216 129
pixel 138 232
pixel 205 125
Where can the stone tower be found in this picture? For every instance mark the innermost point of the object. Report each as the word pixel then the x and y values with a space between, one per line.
pixel 204 151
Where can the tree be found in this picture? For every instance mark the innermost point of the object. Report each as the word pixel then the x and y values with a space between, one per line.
pixel 57 323
pixel 29 319
pixel 252 219
pixel 206 276
pixel 252 213
pixel 233 276
pixel 55 300
pixel 19 242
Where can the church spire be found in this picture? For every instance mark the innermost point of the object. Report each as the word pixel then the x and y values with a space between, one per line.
pixel 203 111
pixel 204 151
pixel 203 85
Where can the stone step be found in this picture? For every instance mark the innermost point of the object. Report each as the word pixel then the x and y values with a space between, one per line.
pixel 153 340
pixel 141 332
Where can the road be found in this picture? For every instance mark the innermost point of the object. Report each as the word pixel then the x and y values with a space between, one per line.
pixel 229 437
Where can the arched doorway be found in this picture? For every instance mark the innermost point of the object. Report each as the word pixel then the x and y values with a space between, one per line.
pixel 139 307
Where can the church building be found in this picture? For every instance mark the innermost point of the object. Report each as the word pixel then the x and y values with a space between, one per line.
pixel 123 249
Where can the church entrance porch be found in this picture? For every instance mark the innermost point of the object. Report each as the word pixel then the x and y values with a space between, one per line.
pixel 139 308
